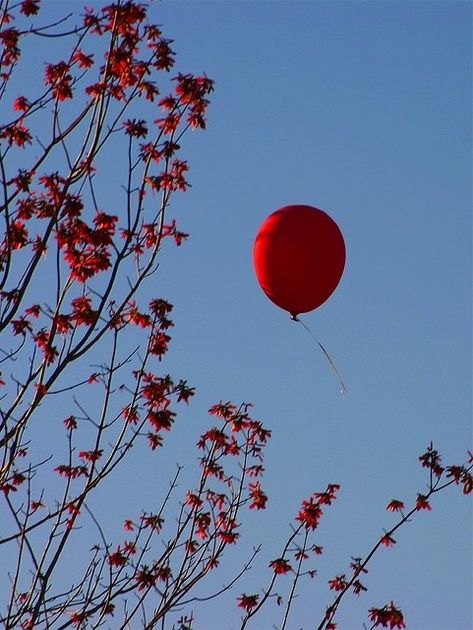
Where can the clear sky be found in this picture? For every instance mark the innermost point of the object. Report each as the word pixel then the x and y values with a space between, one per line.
pixel 364 110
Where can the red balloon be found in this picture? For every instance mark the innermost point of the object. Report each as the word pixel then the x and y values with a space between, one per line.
pixel 299 257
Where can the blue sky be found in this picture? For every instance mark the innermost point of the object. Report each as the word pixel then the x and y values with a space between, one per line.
pixel 364 110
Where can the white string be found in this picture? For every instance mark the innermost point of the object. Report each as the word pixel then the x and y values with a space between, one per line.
pixel 343 388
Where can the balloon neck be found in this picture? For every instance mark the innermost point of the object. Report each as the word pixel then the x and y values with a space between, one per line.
pixel 294 317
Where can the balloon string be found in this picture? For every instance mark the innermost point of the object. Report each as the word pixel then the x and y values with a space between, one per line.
pixel 343 388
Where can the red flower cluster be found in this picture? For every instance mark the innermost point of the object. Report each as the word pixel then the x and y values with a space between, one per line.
pixel 226 526
pixel 248 602
pixel 280 566
pixel 389 617
pixel 147 577
pixel 338 583
pixel 259 498
pixel 460 474
pixel 387 540
pixel 9 39
pixel 57 76
pixel 71 472
pixel 91 456
pixel 311 512
pixel 87 250
pixel 395 506
pixel 152 521
pixel 16 134
pixel 29 7
pixel 422 503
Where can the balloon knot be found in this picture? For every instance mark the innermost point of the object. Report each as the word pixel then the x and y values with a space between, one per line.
pixel 294 317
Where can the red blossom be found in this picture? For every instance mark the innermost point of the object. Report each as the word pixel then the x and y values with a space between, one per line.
pixel 42 340
pixel 191 89
pixel 202 522
pixel 62 323
pixel 355 564
pixel 223 410
pixel 455 472
pixel 34 310
pixel 168 103
pixel 193 500
pixel 422 503
pixel 11 52
pixel 6 488
pixel 431 459
pixel 117 558
pixel 41 390
pixel 212 469
pixel 21 104
pixel 17 235
pixel 71 472
pixel 73 509
pixel 161 308
pixel 389 617
pixel 280 566
pixel 21 326
pixel 387 541
pixel 255 471
pixel 135 128
pixel 78 618
pixel 184 392
pixel 154 440
pixel 84 61
pixel 259 498
pixel 22 183
pixel 395 506
pixel 161 419
pixel 57 76
pixel 16 134
pixel 129 548
pixel 158 343
pixel 338 583
pixel 467 483
pixel 145 578
pixel 164 54
pixel 226 526
pixel 82 311
pixel 96 90
pixel 18 478
pixel 152 521
pixel 358 587
pixel 217 499
pixel 247 602
pixel 130 414
pixel 310 513
pixel 149 152
pixel 70 423
pixel 91 456
pixel 211 563
pixel 29 7
pixel 169 124
pixel 108 609
pixel 191 546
